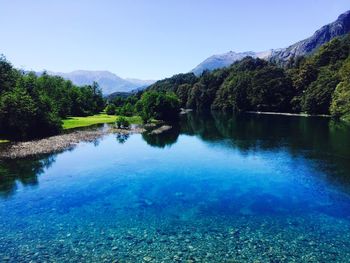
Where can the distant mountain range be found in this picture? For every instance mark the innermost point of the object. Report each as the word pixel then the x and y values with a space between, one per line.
pixel 108 81
pixel 305 47
pixel 113 84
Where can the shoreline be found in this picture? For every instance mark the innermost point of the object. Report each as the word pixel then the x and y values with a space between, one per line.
pixel 288 114
pixel 58 143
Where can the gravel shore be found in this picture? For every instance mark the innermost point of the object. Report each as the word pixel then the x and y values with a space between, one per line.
pixel 58 143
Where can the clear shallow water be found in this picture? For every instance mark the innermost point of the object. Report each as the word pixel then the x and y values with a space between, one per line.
pixel 215 189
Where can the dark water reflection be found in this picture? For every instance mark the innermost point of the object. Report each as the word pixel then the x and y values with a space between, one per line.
pixel 164 139
pixel 22 171
pixel 325 141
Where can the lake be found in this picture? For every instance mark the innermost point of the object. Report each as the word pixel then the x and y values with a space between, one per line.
pixel 218 188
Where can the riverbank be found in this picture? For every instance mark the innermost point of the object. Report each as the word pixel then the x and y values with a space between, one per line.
pixel 59 143
pixel 288 114
pixel 80 122
pixel 69 140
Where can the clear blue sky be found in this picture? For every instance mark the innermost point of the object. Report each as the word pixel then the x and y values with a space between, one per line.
pixel 151 39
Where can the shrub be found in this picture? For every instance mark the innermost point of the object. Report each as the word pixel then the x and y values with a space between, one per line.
pixel 110 109
pixel 122 123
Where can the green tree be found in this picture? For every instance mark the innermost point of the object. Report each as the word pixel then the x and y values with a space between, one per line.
pixel 110 109
pixel 127 110
pixel 318 96
pixel 340 105
pixel 16 108
pixel 7 75
pixel 182 93
pixel 160 105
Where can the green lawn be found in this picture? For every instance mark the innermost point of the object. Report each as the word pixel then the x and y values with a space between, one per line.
pixel 76 122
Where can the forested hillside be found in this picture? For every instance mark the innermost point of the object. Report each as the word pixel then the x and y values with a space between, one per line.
pixel 32 106
pixel 318 84
pixel 281 56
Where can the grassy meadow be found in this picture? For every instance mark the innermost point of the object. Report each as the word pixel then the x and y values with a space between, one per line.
pixel 76 122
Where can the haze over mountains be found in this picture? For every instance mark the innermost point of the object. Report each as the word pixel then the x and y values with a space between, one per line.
pixel 305 47
pixel 108 81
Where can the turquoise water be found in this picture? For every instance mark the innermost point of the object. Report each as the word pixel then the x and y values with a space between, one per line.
pixel 214 189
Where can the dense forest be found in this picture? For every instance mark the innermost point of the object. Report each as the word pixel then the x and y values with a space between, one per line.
pixel 33 106
pixel 318 84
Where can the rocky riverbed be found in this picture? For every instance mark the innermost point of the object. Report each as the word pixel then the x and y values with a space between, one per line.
pixel 157 240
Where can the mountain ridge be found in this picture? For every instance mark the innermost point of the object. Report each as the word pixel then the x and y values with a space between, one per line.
pixel 108 81
pixel 339 27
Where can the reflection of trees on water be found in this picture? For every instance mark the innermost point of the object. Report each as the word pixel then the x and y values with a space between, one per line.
pixel 24 171
pixel 248 132
pixel 166 138
pixel 96 142
pixel 122 137
pixel 320 139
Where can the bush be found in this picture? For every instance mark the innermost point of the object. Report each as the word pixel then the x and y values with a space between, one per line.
pixel 122 123
pixel 110 109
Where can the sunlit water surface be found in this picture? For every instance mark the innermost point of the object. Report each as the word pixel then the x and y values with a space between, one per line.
pixel 214 189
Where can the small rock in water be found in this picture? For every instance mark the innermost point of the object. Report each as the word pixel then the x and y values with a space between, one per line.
pixel 147 259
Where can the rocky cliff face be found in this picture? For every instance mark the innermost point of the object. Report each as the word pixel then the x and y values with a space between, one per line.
pixel 338 28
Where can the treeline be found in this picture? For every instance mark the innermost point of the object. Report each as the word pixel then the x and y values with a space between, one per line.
pixel 160 102
pixel 33 106
pixel 159 105
pixel 319 84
